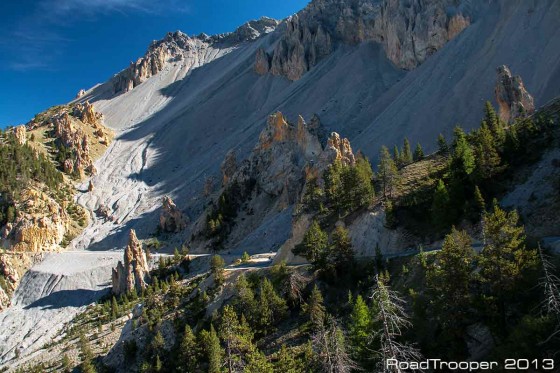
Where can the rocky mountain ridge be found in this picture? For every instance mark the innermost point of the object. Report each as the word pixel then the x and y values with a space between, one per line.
pixel 408 33
pixel 178 46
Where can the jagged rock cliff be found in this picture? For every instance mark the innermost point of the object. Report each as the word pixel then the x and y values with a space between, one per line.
pixel 409 32
pixel 134 273
pixel 179 47
pixel 171 219
pixel 512 97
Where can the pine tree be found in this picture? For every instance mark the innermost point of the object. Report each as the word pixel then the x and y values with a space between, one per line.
pixel 448 280
pixel 114 308
pixel 314 245
pixel 188 352
pixel 494 123
pixel 406 155
pixel 418 153
pixel 286 362
pixel 397 156
pixel 258 363
pixel 236 337
pixel 440 206
pixel 331 347
pixel 87 355
pixel 342 253
pixel 333 184
pixel 315 308
pixel 388 173
pixel 504 256
pixel 463 161
pixel 271 307
pixel 487 158
pixel 480 204
pixel 390 320
pixel 443 148
pixel 217 265
pixel 212 349
pixel 360 329
pixel 245 301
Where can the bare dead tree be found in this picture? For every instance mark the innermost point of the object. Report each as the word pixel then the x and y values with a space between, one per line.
pixel 329 344
pixel 392 317
pixel 551 285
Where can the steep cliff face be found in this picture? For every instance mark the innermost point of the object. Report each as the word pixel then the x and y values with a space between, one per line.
pixel 512 97
pixel 12 268
pixel 409 32
pixel 134 273
pixel 181 48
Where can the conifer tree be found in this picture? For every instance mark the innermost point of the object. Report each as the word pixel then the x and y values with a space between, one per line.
pixel 418 153
pixel 388 173
pixel 315 308
pixel 114 308
pixel 443 148
pixel 236 337
pixel 212 349
pixel 360 329
pixel 440 206
pixel 504 256
pixel 333 183
pixel 448 280
pixel 494 123
pixel 487 158
pixel 258 363
pixel 333 355
pixel 397 156
pixel 286 362
pixel 463 161
pixel 189 351
pixel 480 204
pixel 406 154
pixel 390 320
pixel 271 307
pixel 245 301
pixel 314 245
pixel 342 254
pixel 217 265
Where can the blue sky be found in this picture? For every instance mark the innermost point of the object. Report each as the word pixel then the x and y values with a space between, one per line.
pixel 50 49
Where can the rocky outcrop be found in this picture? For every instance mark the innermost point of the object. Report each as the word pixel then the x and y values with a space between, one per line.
pixel 262 62
pixel 409 32
pixel 134 273
pixel 20 134
pixel 512 97
pixel 80 162
pixel 81 93
pixel 40 224
pixel 338 149
pixel 171 219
